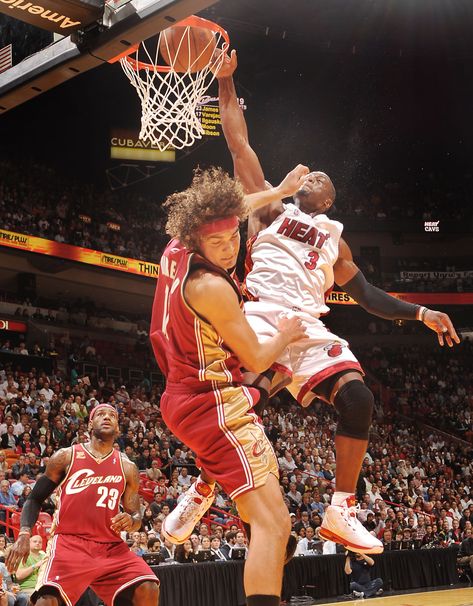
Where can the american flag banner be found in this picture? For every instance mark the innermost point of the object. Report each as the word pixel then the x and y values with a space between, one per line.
pixel 5 57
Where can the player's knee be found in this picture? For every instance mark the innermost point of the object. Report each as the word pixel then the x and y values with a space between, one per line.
pixel 146 594
pixel 280 525
pixel 354 403
pixel 275 523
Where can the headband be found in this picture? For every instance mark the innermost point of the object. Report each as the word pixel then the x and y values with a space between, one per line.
pixel 218 225
pixel 94 410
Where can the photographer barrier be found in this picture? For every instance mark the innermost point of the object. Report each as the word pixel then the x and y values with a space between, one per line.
pixel 221 583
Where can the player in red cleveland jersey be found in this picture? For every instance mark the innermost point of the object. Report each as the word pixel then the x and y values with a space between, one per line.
pixel 200 338
pixel 85 548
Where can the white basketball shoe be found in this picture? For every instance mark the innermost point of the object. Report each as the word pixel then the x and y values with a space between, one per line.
pixel 179 524
pixel 341 525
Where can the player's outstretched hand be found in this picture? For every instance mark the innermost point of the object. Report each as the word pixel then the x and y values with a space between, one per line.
pixel 293 181
pixel 18 553
pixel 442 325
pixel 292 329
pixel 229 65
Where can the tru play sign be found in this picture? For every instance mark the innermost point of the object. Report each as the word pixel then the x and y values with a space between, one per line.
pixel 59 16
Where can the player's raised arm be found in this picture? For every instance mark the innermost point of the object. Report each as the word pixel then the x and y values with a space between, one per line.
pixel 379 303
pixel 245 161
pixel 246 165
pixel 129 520
pixel 44 487
pixel 202 292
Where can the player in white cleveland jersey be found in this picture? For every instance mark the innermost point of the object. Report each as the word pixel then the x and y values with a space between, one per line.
pixel 295 258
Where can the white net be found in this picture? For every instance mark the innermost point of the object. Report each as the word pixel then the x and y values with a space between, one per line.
pixel 169 98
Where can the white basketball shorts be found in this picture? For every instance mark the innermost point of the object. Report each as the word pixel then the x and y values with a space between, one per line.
pixel 307 362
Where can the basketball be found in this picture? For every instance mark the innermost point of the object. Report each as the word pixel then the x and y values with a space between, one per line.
pixel 187 48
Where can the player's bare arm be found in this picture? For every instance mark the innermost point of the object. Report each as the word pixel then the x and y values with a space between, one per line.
pixel 55 472
pixel 213 298
pixel 129 520
pixel 246 165
pixel 379 303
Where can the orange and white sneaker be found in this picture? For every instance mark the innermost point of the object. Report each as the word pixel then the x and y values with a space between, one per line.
pixel 179 524
pixel 341 525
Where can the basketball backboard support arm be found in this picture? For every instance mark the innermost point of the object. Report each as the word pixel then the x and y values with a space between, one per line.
pixel 67 58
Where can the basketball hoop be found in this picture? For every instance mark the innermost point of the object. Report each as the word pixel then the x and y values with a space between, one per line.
pixel 170 92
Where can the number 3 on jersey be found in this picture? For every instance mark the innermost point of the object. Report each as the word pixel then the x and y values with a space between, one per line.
pixel 112 496
pixel 313 258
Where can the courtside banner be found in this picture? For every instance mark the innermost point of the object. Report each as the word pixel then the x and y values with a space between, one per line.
pixel 422 298
pixel 12 325
pixel 76 253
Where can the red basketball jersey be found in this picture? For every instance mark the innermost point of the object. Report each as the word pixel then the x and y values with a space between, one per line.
pixel 89 496
pixel 187 348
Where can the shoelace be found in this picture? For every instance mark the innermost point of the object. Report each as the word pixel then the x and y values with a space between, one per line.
pixel 351 516
pixel 189 509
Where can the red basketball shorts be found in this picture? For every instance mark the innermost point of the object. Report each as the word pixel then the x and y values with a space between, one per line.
pixel 222 429
pixel 75 563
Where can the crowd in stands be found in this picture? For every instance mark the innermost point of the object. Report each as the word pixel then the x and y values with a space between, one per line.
pixel 414 490
pixel 432 384
pixel 81 313
pixel 41 203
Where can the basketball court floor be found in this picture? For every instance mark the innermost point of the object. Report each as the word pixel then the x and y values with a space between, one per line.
pixel 448 597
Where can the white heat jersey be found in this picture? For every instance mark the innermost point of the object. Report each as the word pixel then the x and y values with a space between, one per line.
pixel 291 261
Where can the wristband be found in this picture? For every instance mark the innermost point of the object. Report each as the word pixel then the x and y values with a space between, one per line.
pixel 421 313
pixel 24 532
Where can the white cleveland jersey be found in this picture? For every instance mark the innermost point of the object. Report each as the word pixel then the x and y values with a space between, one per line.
pixel 291 261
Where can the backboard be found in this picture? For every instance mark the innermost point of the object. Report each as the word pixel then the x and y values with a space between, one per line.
pixel 124 23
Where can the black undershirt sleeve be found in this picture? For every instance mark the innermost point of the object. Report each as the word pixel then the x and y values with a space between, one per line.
pixel 377 302
pixel 43 488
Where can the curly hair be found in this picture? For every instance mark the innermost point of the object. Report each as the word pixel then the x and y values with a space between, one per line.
pixel 212 195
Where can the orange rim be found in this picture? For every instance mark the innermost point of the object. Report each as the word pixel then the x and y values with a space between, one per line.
pixel 192 21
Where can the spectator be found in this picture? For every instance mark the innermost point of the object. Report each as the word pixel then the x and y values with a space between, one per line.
pixel 136 545
pixel 357 566
pixel 184 478
pixel 167 550
pixel 157 504
pixel 387 540
pixel 215 544
pixel 230 540
pixel 184 553
pixel 310 544
pixel 9 439
pixel 7 499
pixel 27 575
pixel 3 545
pixel 4 463
pixel 24 495
pixel 18 486
pixel 239 543
pixel 154 473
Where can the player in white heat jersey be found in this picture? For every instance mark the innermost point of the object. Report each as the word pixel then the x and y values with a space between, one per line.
pixel 295 257
pixel 290 270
